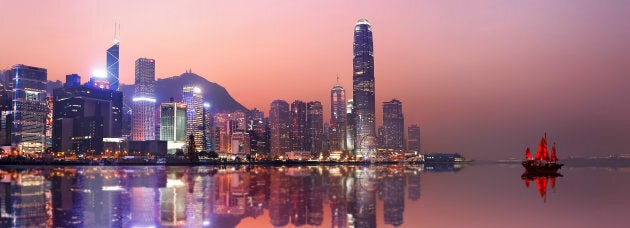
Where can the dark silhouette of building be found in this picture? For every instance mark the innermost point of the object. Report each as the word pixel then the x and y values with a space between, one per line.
pixel 299 138
pixel 83 116
pixel 393 125
pixel 413 139
pixel 315 127
pixel 280 128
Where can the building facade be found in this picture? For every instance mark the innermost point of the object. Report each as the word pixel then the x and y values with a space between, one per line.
pixel 299 138
pixel 194 113
pixel 173 125
pixel 143 115
pixel 393 125
pixel 315 127
pixel 112 58
pixel 413 138
pixel 29 107
pixel 337 138
pixel 363 90
pixel 280 128
pixel 83 116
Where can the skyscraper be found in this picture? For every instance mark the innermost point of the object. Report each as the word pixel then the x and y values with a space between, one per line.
pixel 337 118
pixel 315 127
pixel 173 125
pixel 363 90
pixel 413 140
pixel 207 128
pixel 112 65
pixel 29 107
pixel 393 125
pixel 280 128
pixel 143 115
pixel 194 113
pixel 298 126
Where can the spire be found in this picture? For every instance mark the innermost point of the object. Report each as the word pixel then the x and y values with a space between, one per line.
pixel 337 78
pixel 116 33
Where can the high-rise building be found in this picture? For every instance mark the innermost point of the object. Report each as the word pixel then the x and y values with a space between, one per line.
pixel 393 125
pixel 207 128
pixel 173 125
pixel 112 57
pixel 315 127
pixel 83 116
pixel 363 90
pixel 29 107
pixel 256 128
pixel 413 138
pixel 194 112
pixel 338 118
pixel 280 128
pixel 6 116
pixel 298 127
pixel 143 115
pixel 350 126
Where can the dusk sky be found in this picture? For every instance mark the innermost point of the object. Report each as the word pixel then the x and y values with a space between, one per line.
pixel 482 78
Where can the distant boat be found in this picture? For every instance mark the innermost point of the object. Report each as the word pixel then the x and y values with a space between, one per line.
pixel 542 163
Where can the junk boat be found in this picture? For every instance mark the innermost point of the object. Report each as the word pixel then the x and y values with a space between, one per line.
pixel 542 164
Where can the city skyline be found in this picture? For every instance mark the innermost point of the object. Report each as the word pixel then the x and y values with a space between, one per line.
pixel 511 76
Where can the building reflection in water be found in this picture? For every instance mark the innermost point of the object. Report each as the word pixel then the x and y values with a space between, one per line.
pixel 208 196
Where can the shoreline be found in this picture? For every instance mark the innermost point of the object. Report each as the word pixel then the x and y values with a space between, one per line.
pixel 211 163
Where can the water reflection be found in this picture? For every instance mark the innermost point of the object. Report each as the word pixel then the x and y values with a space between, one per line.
pixel 542 181
pixel 208 196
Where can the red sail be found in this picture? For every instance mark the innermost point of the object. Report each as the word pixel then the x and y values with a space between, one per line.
pixel 553 153
pixel 553 182
pixel 528 155
pixel 545 155
pixel 527 183
pixel 541 148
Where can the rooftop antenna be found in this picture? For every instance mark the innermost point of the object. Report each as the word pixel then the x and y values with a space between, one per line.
pixel 116 33
pixel 337 77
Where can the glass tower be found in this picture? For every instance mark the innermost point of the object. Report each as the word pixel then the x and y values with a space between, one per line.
pixel 143 115
pixel 29 108
pixel 337 118
pixel 194 112
pixel 112 65
pixel 363 90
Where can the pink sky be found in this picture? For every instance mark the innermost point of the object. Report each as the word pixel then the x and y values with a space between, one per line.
pixel 483 78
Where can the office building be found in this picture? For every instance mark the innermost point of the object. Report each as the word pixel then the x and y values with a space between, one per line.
pixel 194 113
pixel 173 125
pixel 143 115
pixel 280 128
pixel 413 139
pixel 298 126
pixel 112 57
pixel 315 127
pixel 337 138
pixel 363 90
pixel 393 125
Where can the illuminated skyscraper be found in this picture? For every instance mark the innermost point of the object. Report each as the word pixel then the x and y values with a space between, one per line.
pixel 112 65
pixel 350 126
pixel 194 111
pixel 337 118
pixel 143 115
pixel 298 126
pixel 173 125
pixel 413 140
pixel 363 89
pixel 393 125
pixel 29 107
pixel 280 127
pixel 315 127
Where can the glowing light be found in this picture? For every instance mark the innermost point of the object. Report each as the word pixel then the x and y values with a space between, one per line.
pixel 99 74
pixel 135 99
pixel 206 105
pixel 197 90
pixel 113 188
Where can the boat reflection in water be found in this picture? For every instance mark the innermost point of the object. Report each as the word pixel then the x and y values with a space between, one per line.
pixel 542 181
pixel 224 196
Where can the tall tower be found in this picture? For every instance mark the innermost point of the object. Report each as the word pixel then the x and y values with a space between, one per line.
pixel 112 56
pixel 298 126
pixel 173 125
pixel 337 118
pixel 413 140
pixel 393 125
pixel 280 128
pixel 315 127
pixel 143 115
pixel 28 86
pixel 194 112
pixel 363 90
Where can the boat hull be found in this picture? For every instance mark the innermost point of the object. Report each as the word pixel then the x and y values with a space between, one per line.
pixel 541 167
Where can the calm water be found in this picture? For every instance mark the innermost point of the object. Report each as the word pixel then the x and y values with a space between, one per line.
pixel 329 196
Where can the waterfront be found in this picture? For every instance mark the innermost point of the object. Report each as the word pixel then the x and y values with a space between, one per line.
pixel 476 195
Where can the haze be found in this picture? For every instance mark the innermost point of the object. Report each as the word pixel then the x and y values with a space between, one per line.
pixel 481 78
